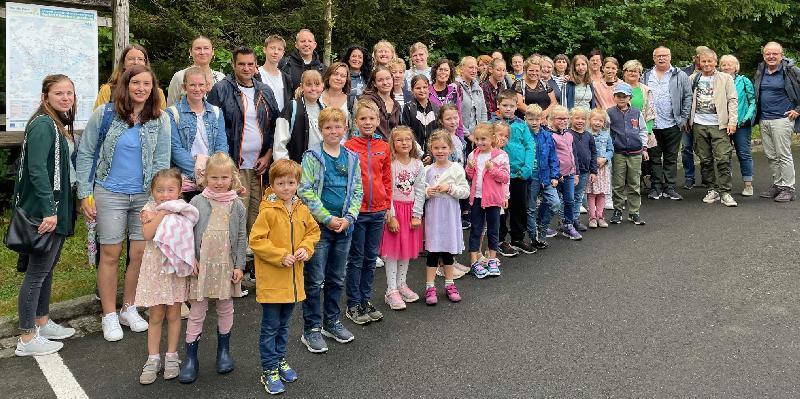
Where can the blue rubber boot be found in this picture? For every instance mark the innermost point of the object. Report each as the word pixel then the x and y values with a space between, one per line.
pixel 190 366
pixel 225 362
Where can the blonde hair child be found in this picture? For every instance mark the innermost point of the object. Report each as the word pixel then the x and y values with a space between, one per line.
pixel 296 129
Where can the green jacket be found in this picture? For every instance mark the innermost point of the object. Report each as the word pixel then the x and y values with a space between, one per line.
pixel 33 190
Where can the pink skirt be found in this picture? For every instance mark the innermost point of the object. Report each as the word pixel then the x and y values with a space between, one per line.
pixel 407 242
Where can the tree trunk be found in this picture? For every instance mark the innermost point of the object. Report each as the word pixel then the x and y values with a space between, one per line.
pixel 121 28
pixel 328 31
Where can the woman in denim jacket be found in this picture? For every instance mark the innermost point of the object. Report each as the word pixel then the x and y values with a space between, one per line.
pixel 188 117
pixel 133 137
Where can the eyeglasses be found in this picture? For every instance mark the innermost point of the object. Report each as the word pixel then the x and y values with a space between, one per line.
pixel 661 55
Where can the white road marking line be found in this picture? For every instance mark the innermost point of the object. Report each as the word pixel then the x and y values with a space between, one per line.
pixel 60 378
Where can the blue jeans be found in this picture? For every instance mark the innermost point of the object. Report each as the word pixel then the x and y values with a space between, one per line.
pixel 479 215
pixel 687 155
pixel 327 267
pixel 567 190
pixel 274 333
pixel 580 193
pixel 34 293
pixel 742 143
pixel 545 211
pixel 367 234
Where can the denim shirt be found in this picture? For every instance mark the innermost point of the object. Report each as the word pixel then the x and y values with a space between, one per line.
pixel 155 139
pixel 184 131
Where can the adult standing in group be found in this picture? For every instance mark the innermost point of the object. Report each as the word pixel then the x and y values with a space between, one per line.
pixel 132 54
pixel 777 87
pixel 250 110
pixel 473 107
pixel 672 98
pixel 443 90
pixel 641 99
pixel 360 62
pixel 533 90
pixel 742 139
pixel 548 66
pixel 713 121
pixel 596 65
pixel 419 63
pixel 269 73
pixel 561 71
pixel 604 88
pixel 302 58
pixel 383 52
pixel 201 50
pixel 337 86
pixel 579 89
pixel 197 128
pixel 124 144
pixel 687 139
pixel 43 189
pixel 496 81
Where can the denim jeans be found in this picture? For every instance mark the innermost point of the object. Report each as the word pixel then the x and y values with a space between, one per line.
pixel 544 212
pixel 687 154
pixel 580 193
pixel 367 234
pixel 742 142
pixel 567 190
pixel 34 294
pixel 478 216
pixel 274 333
pixel 326 266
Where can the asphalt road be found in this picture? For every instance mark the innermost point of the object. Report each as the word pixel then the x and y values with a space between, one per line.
pixel 700 302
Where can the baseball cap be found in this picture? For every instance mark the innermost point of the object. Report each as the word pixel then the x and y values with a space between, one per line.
pixel 623 88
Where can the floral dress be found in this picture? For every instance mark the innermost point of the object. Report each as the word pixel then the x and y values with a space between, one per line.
pixel 156 288
pixel 215 268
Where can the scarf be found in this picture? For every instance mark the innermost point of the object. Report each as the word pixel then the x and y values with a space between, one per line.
pixel 225 197
pixel 175 237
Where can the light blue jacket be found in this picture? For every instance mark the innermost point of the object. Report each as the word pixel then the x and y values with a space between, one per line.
pixel 185 129
pixel 747 98
pixel 604 144
pixel 156 144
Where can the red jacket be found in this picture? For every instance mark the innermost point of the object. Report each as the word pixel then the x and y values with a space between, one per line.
pixel 376 172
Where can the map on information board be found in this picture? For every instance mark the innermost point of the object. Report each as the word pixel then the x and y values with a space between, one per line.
pixel 45 40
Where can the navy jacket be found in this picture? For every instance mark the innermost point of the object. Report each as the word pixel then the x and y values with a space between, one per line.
pixel 585 151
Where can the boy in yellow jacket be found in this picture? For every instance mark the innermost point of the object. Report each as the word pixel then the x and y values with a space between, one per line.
pixel 282 238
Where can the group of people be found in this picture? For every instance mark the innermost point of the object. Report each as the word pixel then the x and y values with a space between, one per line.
pixel 318 173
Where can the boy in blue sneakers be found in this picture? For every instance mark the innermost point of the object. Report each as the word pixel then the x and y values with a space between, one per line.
pixel 543 181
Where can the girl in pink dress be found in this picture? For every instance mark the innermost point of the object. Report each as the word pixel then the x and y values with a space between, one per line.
pixel 402 234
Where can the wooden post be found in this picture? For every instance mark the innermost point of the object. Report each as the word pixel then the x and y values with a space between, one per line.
pixel 121 28
pixel 328 31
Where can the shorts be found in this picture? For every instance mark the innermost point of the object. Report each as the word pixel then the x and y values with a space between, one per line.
pixel 115 213
pixel 433 259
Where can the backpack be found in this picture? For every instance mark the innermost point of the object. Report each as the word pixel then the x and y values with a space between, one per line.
pixel 105 125
pixel 173 110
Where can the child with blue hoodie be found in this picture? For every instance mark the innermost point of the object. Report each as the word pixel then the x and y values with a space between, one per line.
pixel 543 181
pixel 521 152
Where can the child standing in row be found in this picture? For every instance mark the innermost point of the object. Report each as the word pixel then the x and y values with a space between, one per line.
pixel 445 185
pixel 488 168
pixel 544 180
pixel 563 140
pixel 585 162
pixel 297 129
pixel 219 243
pixel 283 237
pixel 162 278
pixel 420 114
pixel 376 175
pixel 331 188
pixel 402 235
pixel 522 160
pixel 601 187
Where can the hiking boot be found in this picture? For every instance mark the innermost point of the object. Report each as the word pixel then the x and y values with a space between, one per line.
pixel 507 250
pixel 570 232
pixel 616 218
pixel 670 193
pixel 374 314
pixel 636 219
pixel 357 315
pixel 771 192
pixel 312 339
pixel 711 197
pixel 727 200
pixel 786 194
pixel 688 183
pixel 524 247
pixel 654 194
pixel 338 332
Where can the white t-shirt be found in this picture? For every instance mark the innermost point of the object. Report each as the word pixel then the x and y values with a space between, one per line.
pixel 483 157
pixel 200 143
pixel 705 112
pixel 314 135
pixel 275 82
pixel 251 138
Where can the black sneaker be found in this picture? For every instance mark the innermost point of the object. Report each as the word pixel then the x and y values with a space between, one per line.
pixel 616 218
pixel 507 250
pixel 636 219
pixel 357 315
pixel 371 312
pixel 688 183
pixel 654 194
pixel 465 224
pixel 772 192
pixel 670 193
pixel 540 244
pixel 524 247
pixel 580 226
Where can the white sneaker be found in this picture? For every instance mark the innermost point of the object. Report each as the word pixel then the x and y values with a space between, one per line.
pixel 111 328
pixel 51 330
pixel 378 262
pixel 711 197
pixel 583 209
pixel 130 317
pixel 38 346
pixel 728 200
